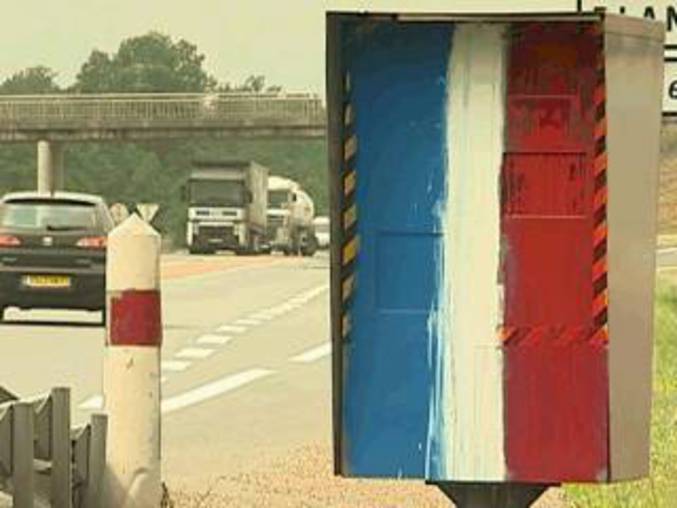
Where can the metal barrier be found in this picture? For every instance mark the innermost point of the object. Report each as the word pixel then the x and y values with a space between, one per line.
pixel 41 457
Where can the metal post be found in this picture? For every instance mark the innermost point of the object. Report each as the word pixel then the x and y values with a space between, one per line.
pixel 23 480
pixel 50 166
pixel 492 495
pixel 60 454
pixel 96 466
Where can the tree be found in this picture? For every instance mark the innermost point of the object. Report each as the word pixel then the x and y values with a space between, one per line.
pixel 33 80
pixel 147 63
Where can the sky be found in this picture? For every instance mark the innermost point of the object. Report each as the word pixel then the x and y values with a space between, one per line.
pixel 281 39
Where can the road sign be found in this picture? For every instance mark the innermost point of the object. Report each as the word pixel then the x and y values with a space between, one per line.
pixel 147 211
pixel 661 11
pixel 119 212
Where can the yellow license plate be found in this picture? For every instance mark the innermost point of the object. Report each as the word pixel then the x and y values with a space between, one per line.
pixel 47 281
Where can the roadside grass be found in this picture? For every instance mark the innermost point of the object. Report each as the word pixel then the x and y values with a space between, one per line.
pixel 660 490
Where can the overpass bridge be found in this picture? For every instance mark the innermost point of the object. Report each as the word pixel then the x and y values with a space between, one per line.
pixel 51 120
pixel 132 117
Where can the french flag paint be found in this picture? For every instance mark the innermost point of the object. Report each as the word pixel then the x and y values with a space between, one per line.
pixel 475 351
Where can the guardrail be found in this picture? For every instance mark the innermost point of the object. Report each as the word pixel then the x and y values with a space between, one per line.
pixel 41 457
pixel 159 110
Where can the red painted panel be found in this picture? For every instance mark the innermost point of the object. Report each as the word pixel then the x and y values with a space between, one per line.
pixel 545 184
pixel 555 372
pixel 135 319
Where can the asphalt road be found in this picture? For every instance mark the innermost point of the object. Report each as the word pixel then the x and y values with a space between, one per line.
pixel 246 383
pixel 245 361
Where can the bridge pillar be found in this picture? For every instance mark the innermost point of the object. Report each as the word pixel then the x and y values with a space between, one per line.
pixel 50 166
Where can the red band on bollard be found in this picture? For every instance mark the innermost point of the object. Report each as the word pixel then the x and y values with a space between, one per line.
pixel 135 319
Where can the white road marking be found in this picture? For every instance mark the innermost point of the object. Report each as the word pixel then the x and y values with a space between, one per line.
pixel 174 365
pixel 210 338
pixel 232 382
pixel 313 354
pixel 194 353
pixel 232 329
pixel 667 250
pixel 213 389
pixel 93 403
pixel 247 322
pixel 262 316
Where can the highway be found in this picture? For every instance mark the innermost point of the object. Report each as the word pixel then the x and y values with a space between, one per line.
pixel 246 381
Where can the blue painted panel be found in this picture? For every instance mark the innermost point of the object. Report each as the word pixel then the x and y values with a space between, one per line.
pixel 396 254
pixel 398 75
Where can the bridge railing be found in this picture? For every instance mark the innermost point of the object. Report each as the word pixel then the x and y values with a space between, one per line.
pixel 48 111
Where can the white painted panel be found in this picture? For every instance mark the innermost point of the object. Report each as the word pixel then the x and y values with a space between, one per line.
pixel 470 309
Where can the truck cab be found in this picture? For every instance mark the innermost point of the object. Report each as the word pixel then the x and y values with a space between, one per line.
pixel 226 207
pixel 290 218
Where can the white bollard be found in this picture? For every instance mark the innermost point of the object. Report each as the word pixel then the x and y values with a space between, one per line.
pixel 132 366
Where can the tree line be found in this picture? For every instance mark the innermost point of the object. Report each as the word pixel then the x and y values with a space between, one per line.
pixel 152 171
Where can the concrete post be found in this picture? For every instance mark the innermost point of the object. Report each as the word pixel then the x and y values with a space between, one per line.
pixel 50 166
pixel 132 366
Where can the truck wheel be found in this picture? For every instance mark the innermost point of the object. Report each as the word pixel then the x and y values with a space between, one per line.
pixel 309 247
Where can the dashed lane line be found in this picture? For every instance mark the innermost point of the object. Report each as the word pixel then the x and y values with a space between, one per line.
pixel 174 365
pixel 219 338
pixel 213 339
pixel 194 353
pixel 231 329
pixel 246 322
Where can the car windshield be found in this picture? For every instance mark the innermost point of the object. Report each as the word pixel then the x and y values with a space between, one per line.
pixel 53 216
pixel 217 193
pixel 277 198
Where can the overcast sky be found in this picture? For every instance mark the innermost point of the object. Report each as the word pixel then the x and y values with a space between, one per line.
pixel 281 39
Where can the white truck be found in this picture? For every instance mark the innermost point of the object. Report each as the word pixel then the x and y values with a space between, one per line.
pixel 227 203
pixel 290 218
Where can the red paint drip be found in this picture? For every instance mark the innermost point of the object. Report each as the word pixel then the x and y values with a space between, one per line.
pixel 135 319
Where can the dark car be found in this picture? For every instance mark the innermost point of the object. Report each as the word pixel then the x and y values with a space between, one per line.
pixel 53 251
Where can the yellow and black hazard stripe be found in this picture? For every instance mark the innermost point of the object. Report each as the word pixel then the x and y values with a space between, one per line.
pixel 351 241
pixel 600 301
